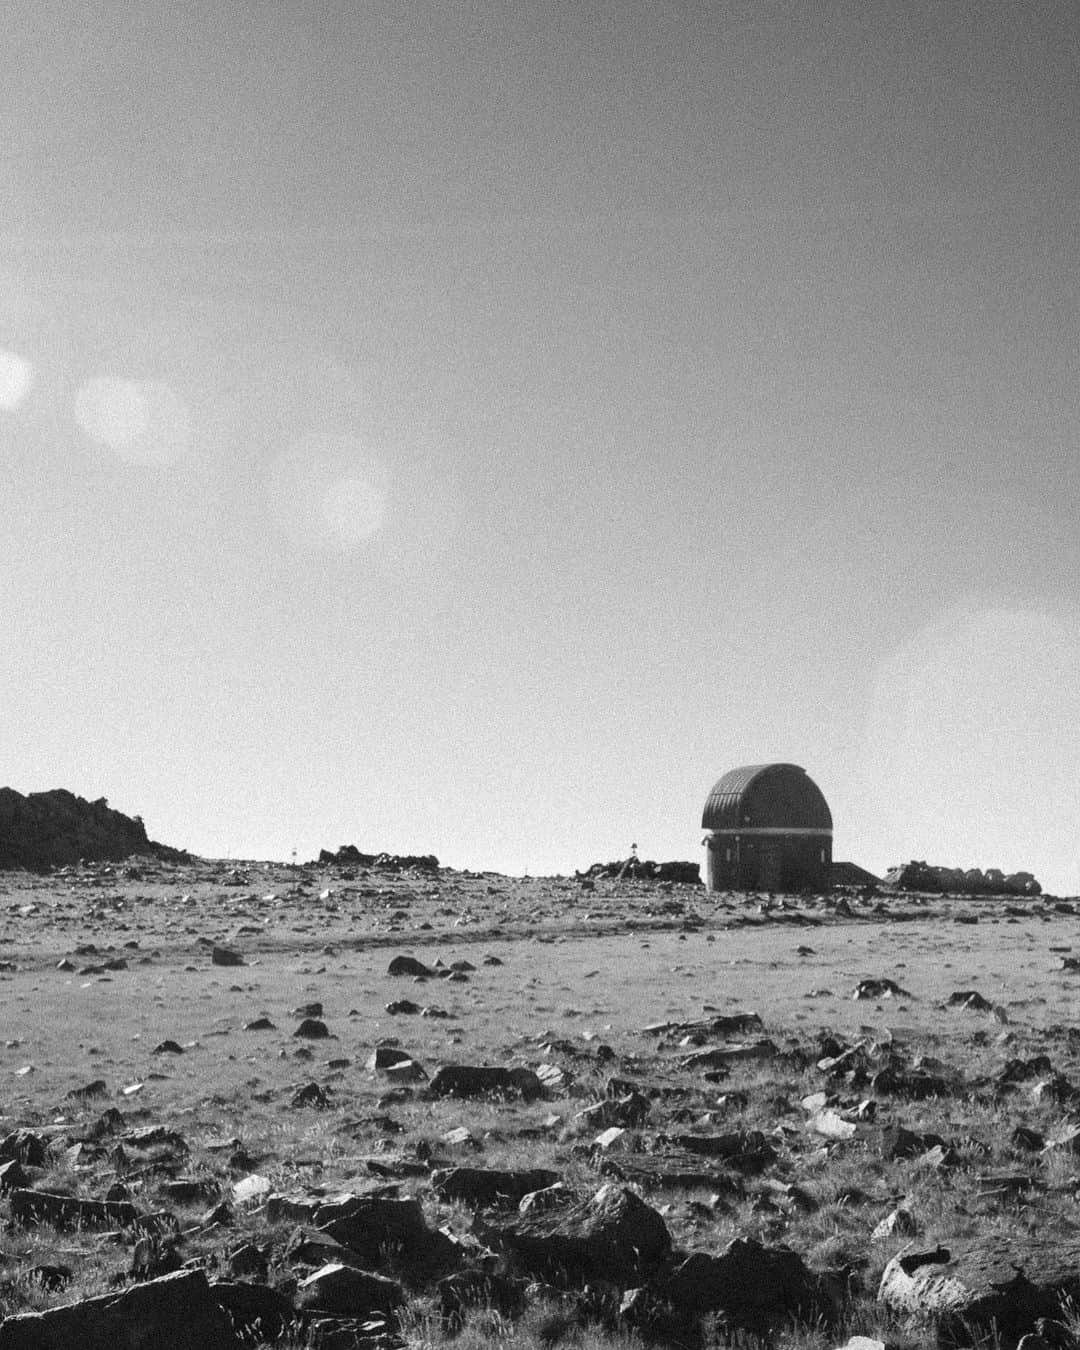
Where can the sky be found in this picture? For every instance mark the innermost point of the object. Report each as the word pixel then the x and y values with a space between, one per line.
pixel 473 427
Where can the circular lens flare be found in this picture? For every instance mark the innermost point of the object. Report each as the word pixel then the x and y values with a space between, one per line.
pixel 143 421
pixel 16 377
pixel 329 493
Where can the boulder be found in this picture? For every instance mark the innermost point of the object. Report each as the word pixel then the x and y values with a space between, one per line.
pixel 372 1226
pixel 178 1311
pixel 312 1029
pixel 225 956
pixel 757 1288
pixel 874 989
pixel 374 1229
pixel 899 1222
pixel 483 1080
pixel 348 1292
pixel 257 1312
pixel 30 1208
pixel 12 1177
pixel 746 1149
pixel 479 1289
pixel 479 1187
pixel 896 1142
pixel 614 1236
pixel 721 1056
pixel 999 1287
pixel 24 1146
pixel 409 965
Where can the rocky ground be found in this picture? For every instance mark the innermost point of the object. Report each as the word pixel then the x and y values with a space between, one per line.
pixel 346 1105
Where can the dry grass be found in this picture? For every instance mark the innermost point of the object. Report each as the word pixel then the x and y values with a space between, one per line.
pixel 580 972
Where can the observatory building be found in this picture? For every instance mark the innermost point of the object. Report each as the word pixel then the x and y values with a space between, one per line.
pixel 769 829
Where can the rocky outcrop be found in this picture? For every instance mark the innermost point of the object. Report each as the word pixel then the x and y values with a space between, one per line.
pixel 923 876
pixel 645 869
pixel 348 855
pixel 57 829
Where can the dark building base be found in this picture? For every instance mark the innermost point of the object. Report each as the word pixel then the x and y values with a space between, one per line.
pixel 772 862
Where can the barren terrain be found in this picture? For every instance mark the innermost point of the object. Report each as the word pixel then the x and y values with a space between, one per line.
pixel 181 999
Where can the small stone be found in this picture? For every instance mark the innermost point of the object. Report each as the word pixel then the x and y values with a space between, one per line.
pixel 899 1223
pixel 251 1190
pixel 312 1029
pixel 223 956
pixel 608 1139
pixel 98 1088
pixel 311 1094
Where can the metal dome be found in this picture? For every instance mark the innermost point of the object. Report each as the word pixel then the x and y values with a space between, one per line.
pixel 766 796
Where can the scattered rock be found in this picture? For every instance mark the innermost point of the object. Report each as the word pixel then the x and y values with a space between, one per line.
pixel 896 1142
pixel 472 1080
pixel 256 1312
pixel 879 989
pixel 997 1287
pixel 353 1293
pixel 251 1190
pixel 479 1187
pixel 614 1236
pixel 98 1088
pixel 312 1029
pixel 224 956
pixel 311 1094
pixel 897 1223
pixel 479 1289
pixel 12 1177
pixel 969 999
pixel 757 1288
pixel 178 1311
pixel 374 1228
pixel 30 1208
pixel 719 1057
pixel 409 965
pixel 24 1146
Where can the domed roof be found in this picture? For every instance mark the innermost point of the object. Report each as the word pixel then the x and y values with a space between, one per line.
pixel 766 796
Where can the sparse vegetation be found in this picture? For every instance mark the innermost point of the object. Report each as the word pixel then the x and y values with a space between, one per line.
pixel 130 1062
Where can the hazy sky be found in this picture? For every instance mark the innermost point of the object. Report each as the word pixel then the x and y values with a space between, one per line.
pixel 474 427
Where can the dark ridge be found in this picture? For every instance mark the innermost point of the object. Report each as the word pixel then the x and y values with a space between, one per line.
pixel 55 829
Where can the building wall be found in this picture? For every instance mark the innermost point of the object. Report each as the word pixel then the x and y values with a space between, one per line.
pixel 768 861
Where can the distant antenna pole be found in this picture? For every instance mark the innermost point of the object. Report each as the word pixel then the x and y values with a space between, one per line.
pixel 294 855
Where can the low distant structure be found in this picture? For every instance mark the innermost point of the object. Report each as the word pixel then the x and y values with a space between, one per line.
pixel 769 829
pixel 644 869
pixel 55 829
pixel 923 876
pixel 348 855
pixel 851 874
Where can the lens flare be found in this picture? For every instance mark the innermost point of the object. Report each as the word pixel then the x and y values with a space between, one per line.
pixel 143 421
pixel 16 377
pixel 329 493
pixel 354 508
